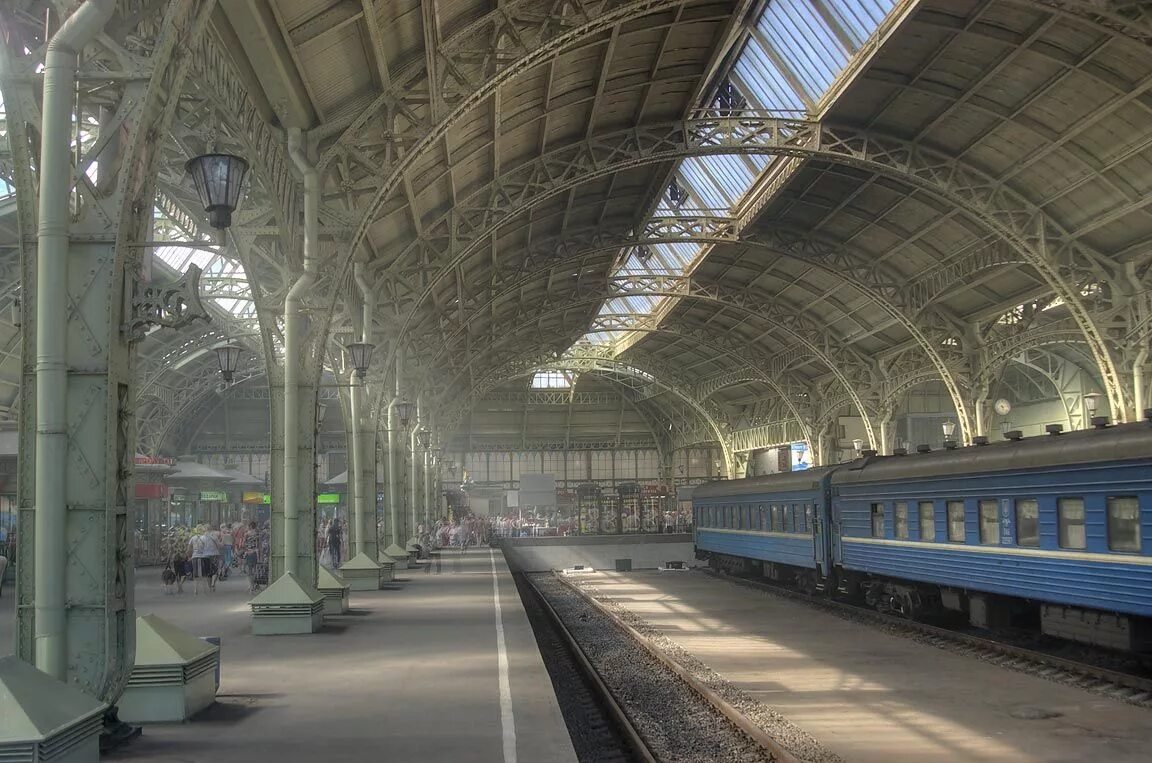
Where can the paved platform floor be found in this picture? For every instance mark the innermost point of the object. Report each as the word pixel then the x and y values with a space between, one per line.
pixel 871 696
pixel 411 674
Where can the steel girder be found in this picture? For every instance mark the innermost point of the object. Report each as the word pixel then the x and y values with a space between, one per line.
pixel 1065 264
pixel 1123 18
pixel 590 360
pixel 906 303
pixel 807 333
pixel 169 418
pixel 1003 211
pixel 467 69
pixel 112 220
pixel 770 435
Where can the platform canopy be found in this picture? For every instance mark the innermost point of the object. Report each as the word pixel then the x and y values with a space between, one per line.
pixel 729 222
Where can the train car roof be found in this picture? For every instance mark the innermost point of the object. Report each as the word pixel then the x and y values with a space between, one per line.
pixel 1124 442
pixel 804 480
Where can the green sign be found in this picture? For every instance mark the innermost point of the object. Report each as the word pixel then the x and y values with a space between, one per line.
pixel 213 495
pixel 328 498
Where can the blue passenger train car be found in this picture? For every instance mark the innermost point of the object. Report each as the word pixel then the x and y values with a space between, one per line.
pixel 774 522
pixel 1055 530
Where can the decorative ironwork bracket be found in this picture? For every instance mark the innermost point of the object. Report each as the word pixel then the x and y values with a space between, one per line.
pixel 171 305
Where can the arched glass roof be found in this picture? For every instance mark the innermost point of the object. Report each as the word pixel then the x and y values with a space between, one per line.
pixel 790 58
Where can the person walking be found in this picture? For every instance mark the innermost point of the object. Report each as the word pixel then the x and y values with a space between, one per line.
pixel 203 551
pixel 334 542
pixel 229 540
pixel 217 536
pixel 251 550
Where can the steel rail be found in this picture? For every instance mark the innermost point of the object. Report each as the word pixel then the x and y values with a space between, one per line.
pixel 725 708
pixel 636 741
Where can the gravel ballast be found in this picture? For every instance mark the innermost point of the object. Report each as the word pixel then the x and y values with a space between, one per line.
pixel 677 723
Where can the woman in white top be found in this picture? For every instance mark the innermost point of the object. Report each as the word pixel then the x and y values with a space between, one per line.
pixel 204 550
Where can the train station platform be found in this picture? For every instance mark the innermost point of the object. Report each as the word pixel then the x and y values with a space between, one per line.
pixel 873 696
pixel 426 671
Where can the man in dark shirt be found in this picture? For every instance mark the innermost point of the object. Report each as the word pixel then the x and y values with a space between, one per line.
pixel 334 538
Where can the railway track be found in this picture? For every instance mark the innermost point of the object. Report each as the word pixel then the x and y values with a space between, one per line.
pixel 1116 684
pixel 743 725
pixel 623 709
pixel 597 711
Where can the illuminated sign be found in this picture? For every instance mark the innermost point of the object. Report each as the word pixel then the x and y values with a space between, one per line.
pixel 213 495
pixel 800 458
pixel 328 498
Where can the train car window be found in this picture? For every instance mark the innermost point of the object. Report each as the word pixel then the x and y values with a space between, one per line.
pixel 877 520
pixel 1027 522
pixel 759 517
pixel 900 520
pixel 777 520
pixel 1070 522
pixel 927 520
pixel 809 518
pixel 801 519
pixel 989 522
pixel 956 521
pixel 1123 523
pixel 789 518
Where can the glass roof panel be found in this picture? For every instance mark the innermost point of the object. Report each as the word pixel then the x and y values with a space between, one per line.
pixel 552 380
pixel 790 60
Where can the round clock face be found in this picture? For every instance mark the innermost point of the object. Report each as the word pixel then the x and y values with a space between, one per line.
pixel 1002 406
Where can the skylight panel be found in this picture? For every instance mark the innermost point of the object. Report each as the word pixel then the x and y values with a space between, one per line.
pixel 552 380
pixel 858 18
pixel 678 255
pixel 792 56
pixel 801 40
pixel 711 193
pixel 763 81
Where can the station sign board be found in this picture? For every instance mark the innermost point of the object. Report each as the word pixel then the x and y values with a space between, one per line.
pixel 213 495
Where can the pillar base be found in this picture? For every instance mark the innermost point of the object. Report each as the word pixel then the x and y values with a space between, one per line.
pixel 45 719
pixel 387 568
pixel 288 606
pixel 398 555
pixel 174 675
pixel 334 589
pixel 362 573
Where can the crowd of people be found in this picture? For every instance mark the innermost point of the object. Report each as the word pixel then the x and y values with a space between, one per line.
pixel 543 522
pixel 209 554
pixel 469 530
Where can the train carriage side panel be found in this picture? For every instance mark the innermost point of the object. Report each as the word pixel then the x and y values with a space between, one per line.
pixel 1094 467
pixel 756 540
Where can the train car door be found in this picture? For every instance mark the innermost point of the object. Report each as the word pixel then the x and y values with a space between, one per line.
pixel 821 529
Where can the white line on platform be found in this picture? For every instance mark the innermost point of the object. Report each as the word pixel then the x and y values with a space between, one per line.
pixel 507 719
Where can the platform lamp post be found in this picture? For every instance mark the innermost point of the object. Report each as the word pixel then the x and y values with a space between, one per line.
pixel 422 439
pixel 219 179
pixel 949 428
pixel 228 356
pixel 398 421
pixel 858 446
pixel 359 358
pixel 435 492
pixel 1091 405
